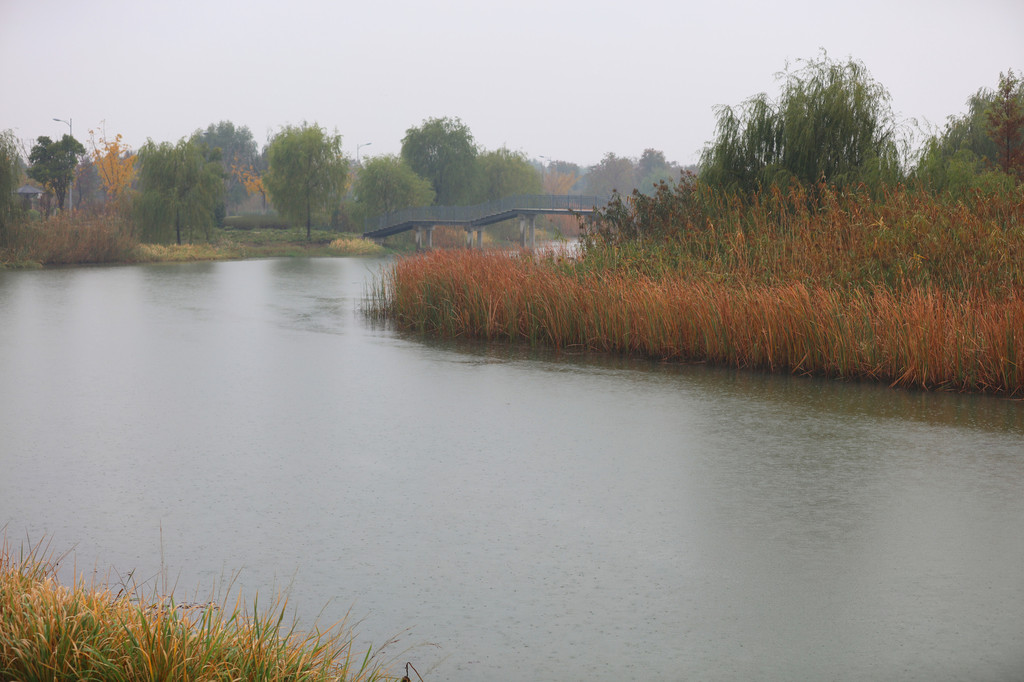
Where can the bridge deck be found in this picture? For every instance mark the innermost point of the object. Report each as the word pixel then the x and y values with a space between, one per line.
pixel 483 214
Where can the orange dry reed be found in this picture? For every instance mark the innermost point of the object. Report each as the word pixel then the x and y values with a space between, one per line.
pixel 912 336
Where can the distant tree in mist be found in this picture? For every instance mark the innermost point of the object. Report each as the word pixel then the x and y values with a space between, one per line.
pixel 238 150
pixel 443 151
pixel 386 183
pixel 612 173
pixel 832 122
pixel 979 149
pixel 652 169
pixel 557 182
pixel 504 173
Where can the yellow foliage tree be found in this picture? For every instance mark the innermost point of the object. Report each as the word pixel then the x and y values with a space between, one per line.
pixel 559 183
pixel 114 163
pixel 250 179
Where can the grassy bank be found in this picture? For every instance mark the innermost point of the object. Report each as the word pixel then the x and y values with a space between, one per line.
pixel 906 290
pixel 81 239
pixel 49 631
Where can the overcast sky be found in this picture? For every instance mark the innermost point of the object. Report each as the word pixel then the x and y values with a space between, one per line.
pixel 561 79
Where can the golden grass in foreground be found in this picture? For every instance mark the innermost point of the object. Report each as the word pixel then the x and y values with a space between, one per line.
pixel 912 337
pixel 83 632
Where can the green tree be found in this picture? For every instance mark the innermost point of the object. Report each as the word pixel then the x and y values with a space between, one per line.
pixel 53 164
pixel 832 122
pixel 306 173
pixel 238 150
pixel 504 173
pixel 10 172
pixel 180 187
pixel 612 174
pixel 443 151
pixel 965 155
pixel 652 169
pixel 386 183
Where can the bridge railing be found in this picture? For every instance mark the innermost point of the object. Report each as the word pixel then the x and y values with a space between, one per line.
pixel 455 215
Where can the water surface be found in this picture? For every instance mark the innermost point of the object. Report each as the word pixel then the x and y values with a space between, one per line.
pixel 508 513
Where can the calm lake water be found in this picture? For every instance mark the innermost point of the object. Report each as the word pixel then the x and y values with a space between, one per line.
pixel 507 513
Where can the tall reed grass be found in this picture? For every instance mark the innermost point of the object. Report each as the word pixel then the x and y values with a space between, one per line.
pixel 49 631
pixel 900 238
pixel 919 336
pixel 73 238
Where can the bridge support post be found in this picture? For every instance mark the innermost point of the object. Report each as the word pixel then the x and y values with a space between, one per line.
pixel 419 238
pixel 522 231
pixel 430 236
pixel 533 226
pixel 469 238
pixel 480 238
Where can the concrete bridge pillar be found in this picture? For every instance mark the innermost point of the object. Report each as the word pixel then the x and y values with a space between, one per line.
pixel 479 238
pixel 419 238
pixel 430 236
pixel 523 233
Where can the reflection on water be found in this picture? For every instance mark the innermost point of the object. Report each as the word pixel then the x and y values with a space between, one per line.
pixel 529 514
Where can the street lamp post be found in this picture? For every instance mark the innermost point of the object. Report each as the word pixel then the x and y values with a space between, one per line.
pixel 358 146
pixel 71 132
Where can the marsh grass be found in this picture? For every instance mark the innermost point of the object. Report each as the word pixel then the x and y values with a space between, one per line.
pixel 72 239
pixel 49 631
pixel 897 237
pixel 908 336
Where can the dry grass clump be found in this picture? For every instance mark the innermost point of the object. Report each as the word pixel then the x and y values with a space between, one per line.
pixel 52 632
pixel 356 246
pixel 177 253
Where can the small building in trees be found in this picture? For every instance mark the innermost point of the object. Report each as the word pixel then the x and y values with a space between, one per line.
pixel 29 196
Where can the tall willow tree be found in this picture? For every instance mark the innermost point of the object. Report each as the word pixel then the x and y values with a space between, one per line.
pixel 9 174
pixel 504 173
pixel 386 183
pixel 180 187
pixel 306 173
pixel 443 151
pixel 832 122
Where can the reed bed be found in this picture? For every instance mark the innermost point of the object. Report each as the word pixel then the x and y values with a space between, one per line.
pixel 52 632
pixel 902 238
pixel 72 239
pixel 908 336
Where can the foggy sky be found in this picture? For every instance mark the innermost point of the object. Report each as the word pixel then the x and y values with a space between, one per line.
pixel 561 79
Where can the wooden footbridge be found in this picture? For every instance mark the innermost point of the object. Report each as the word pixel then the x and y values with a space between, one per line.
pixel 525 207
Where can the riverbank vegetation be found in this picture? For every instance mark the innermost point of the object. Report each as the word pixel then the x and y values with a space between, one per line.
pixel 49 631
pixel 907 290
pixel 80 238
pixel 823 258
